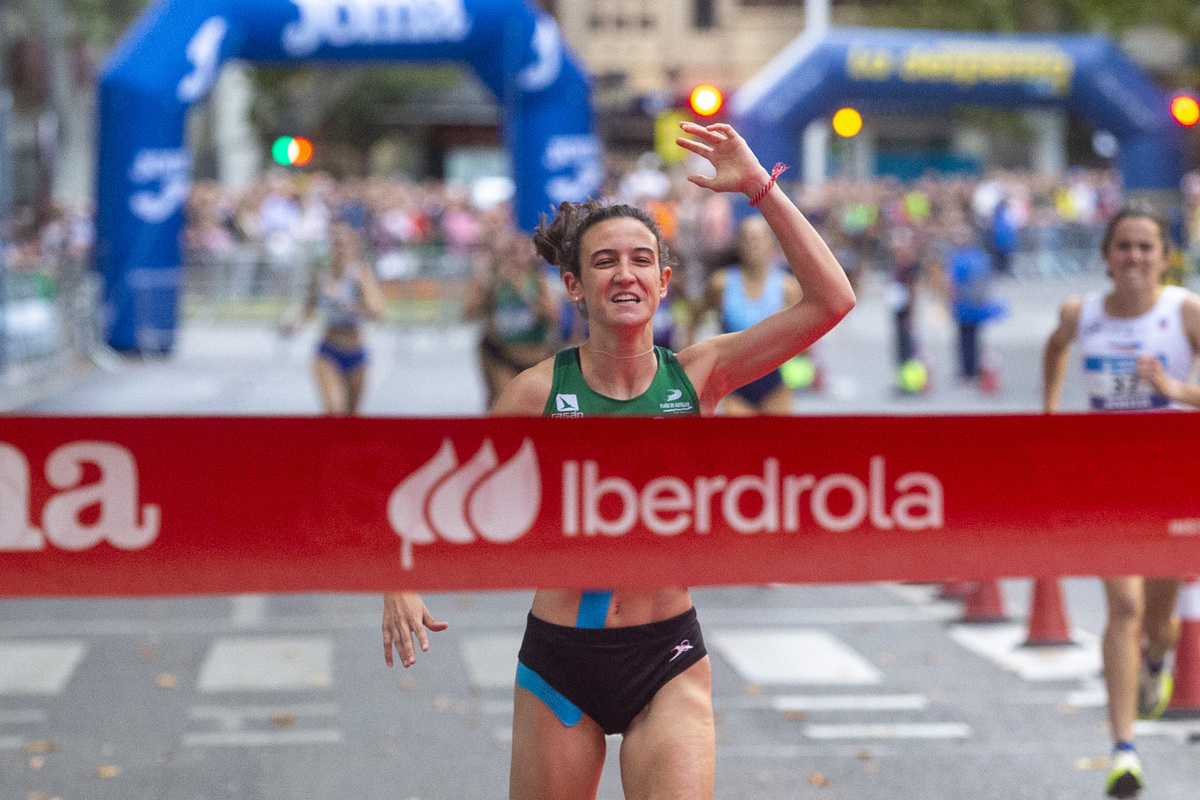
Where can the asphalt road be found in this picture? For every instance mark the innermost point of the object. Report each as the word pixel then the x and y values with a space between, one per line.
pixel 864 691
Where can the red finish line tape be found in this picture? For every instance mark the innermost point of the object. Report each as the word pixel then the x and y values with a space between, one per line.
pixel 159 506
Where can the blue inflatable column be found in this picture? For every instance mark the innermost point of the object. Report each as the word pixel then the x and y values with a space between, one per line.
pixel 548 122
pixel 143 184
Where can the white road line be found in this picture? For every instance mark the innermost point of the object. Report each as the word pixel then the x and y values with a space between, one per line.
pixel 22 716
pixel 490 621
pixel 491 661
pixel 1090 694
pixel 853 615
pixel 851 702
pixel 249 610
pixel 796 656
pixel 1002 645
pixel 262 738
pixel 12 743
pixel 235 718
pixel 1183 730
pixel 38 667
pixel 266 664
pixel 911 730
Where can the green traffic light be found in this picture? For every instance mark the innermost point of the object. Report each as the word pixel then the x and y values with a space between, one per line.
pixel 280 151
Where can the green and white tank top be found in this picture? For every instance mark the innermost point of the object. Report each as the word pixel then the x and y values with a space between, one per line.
pixel 670 393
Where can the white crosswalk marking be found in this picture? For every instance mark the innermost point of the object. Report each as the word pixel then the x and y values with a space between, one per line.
pixel 22 716
pixel 232 725
pixel 796 656
pixel 261 738
pixel 235 718
pixel 851 702
pixel 267 664
pixel 1002 644
pixel 491 660
pixel 38 667
pixel 910 730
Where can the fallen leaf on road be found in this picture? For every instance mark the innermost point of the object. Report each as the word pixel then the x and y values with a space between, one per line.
pixel 863 755
pixel 41 746
pixel 1098 764
pixel 1066 708
pixel 818 779
pixel 753 689
pixel 408 682
pixel 283 720
pixel 38 796
pixel 793 716
pixel 108 771
pixel 166 680
pixel 145 653
pixel 36 762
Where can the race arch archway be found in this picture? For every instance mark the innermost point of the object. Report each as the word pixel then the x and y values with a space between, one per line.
pixel 171 56
pixel 915 72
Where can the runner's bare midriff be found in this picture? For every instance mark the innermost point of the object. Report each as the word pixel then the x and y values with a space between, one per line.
pixel 628 606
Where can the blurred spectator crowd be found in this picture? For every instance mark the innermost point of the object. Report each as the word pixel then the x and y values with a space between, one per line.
pixel 263 241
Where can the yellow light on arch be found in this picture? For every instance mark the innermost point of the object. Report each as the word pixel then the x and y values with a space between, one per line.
pixel 847 122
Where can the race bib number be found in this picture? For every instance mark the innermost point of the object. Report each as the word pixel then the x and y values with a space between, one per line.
pixel 1113 385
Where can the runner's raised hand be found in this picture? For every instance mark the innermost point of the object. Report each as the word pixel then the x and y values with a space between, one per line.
pixel 737 167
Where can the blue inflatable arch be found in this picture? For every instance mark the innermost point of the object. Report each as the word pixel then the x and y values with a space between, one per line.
pixel 922 72
pixel 170 57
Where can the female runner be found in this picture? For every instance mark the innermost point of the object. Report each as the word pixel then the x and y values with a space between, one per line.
pixel 747 293
pixel 623 661
pixel 347 297
pixel 1162 323
pixel 520 312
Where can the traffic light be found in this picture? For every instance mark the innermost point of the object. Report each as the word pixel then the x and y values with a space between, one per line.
pixel 705 100
pixel 292 151
pixel 847 122
pixel 1184 109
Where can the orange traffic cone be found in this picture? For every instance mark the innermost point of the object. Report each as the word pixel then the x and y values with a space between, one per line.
pixel 954 590
pixel 985 603
pixel 1049 625
pixel 1185 701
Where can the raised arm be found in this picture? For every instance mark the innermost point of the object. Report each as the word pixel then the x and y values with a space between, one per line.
pixel 1054 358
pixel 719 365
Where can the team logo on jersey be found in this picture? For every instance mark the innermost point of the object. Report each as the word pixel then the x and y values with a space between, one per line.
pixel 461 503
pixel 567 404
pixel 674 404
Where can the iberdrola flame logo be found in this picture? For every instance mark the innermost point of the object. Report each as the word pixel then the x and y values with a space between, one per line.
pixel 460 503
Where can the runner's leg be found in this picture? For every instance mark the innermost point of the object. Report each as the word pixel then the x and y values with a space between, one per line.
pixel 551 761
pixel 777 403
pixel 669 752
pixel 1161 622
pixel 329 384
pixel 1122 652
pixel 354 383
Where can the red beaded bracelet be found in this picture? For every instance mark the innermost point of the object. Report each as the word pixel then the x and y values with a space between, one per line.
pixel 779 169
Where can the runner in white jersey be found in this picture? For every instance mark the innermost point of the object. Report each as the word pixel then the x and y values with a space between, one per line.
pixel 1138 343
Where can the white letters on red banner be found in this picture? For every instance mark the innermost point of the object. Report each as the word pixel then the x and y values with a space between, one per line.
pixel 108 506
